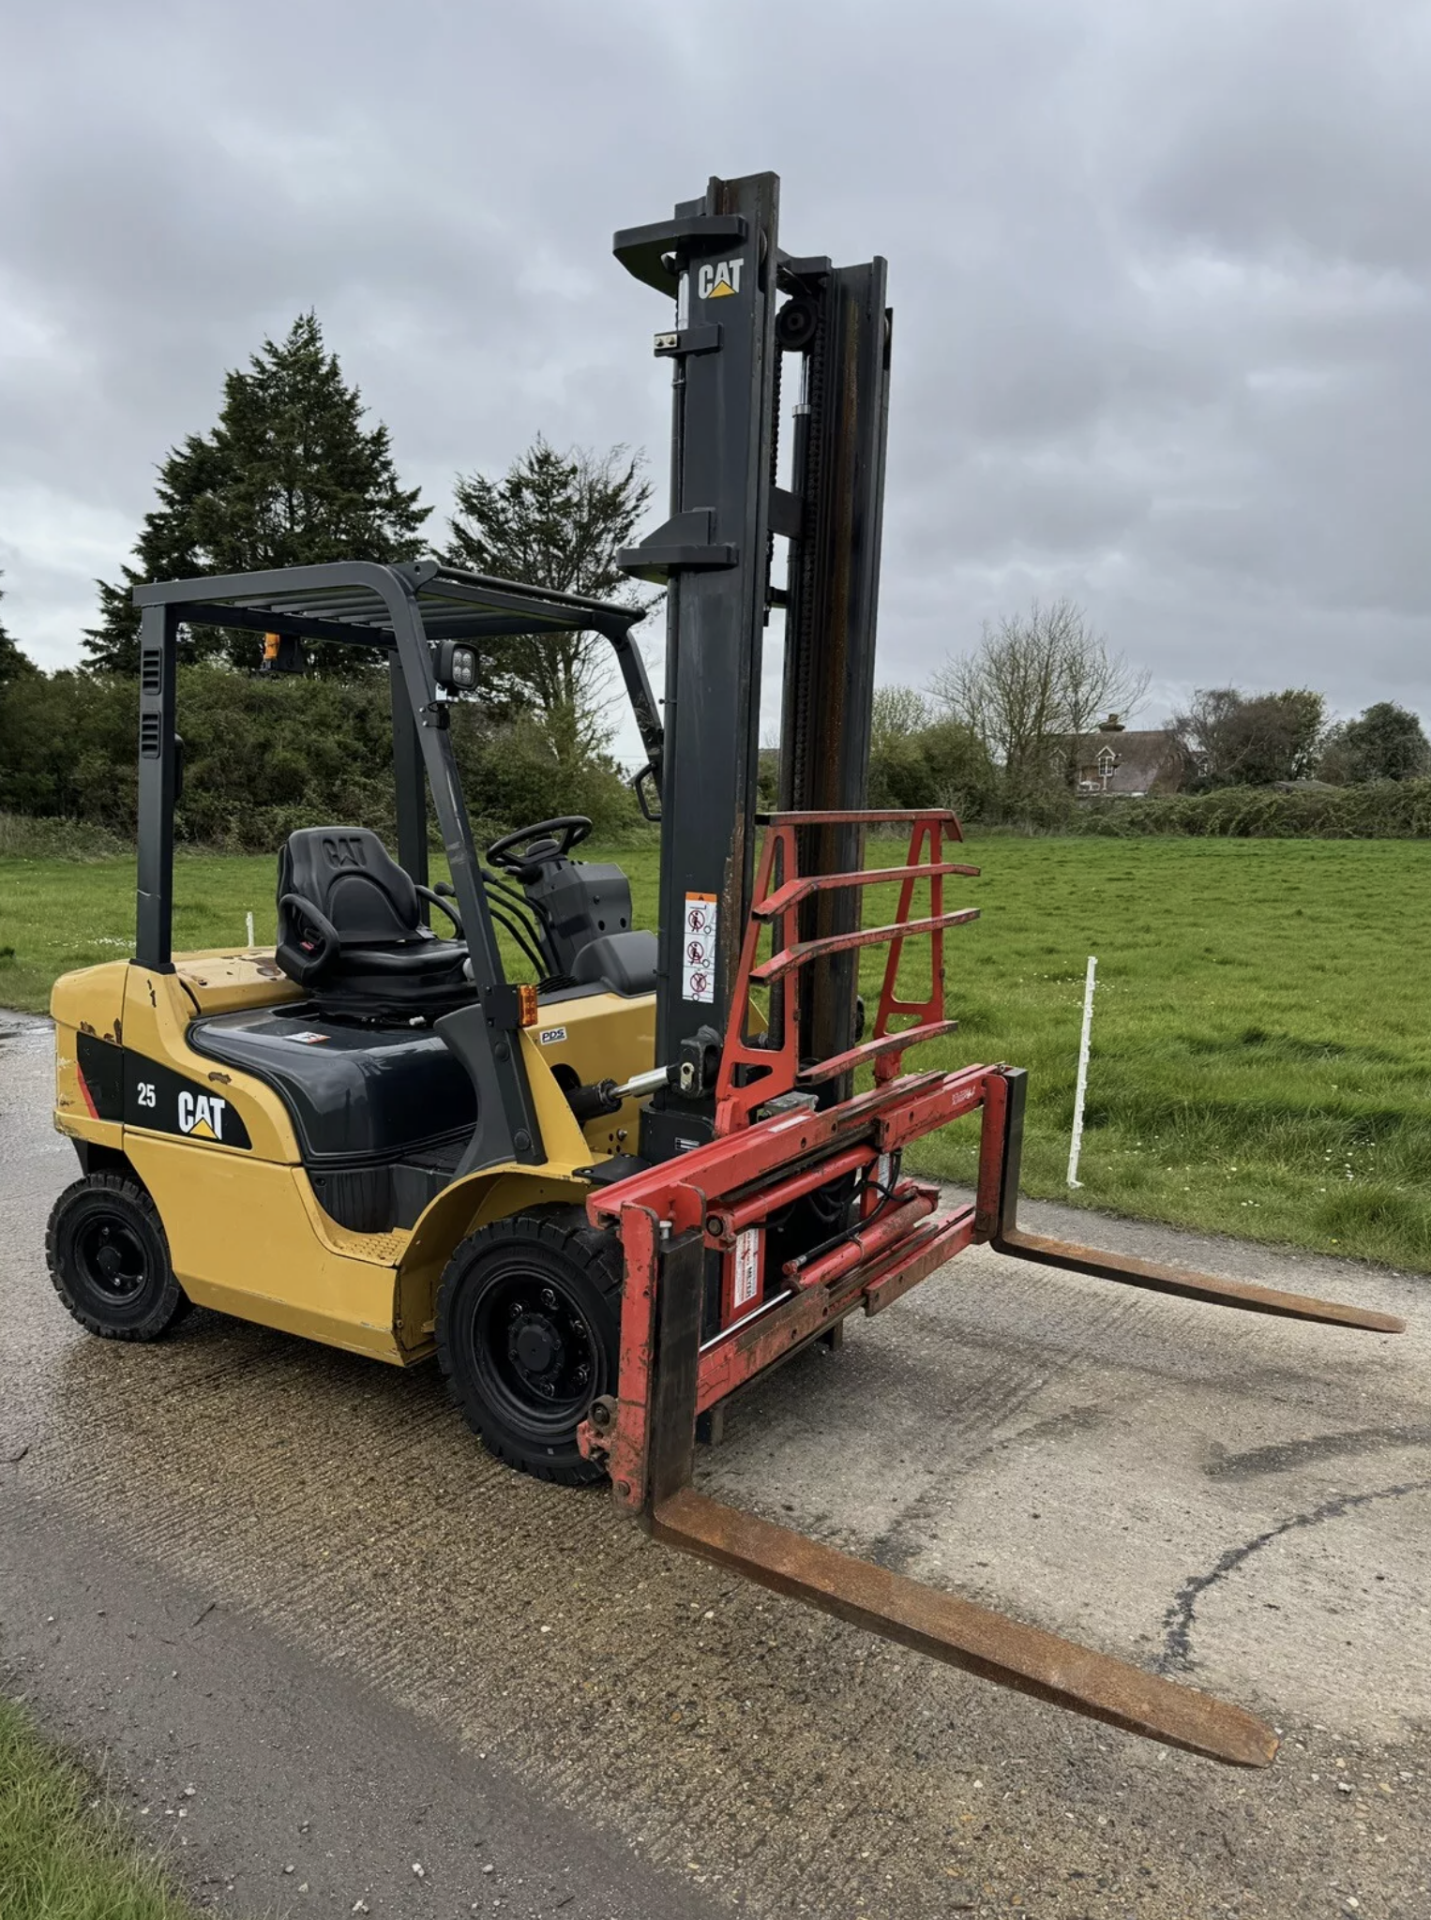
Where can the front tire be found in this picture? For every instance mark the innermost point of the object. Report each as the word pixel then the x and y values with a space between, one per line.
pixel 528 1335
pixel 109 1259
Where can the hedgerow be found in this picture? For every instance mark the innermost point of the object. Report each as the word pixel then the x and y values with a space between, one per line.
pixel 1379 810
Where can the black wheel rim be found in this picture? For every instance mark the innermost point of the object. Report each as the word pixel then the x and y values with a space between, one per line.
pixel 111 1260
pixel 533 1352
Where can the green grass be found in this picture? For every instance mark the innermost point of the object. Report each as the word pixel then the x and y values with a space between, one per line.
pixel 1261 1058
pixel 58 914
pixel 62 1856
pixel 1261 1055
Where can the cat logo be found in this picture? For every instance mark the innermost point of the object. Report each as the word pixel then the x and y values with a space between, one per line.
pixel 202 1114
pixel 718 279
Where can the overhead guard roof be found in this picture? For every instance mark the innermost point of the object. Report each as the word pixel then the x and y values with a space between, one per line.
pixel 349 600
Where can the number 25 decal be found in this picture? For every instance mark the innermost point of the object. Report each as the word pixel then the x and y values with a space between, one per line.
pixel 145 1094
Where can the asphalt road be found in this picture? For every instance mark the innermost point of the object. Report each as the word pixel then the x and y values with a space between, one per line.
pixel 291 1581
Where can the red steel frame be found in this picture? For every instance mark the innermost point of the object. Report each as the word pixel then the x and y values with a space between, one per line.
pixel 758 1067
pixel 696 1191
pixel 731 1186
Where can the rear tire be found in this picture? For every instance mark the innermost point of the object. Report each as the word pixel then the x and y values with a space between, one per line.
pixel 109 1259
pixel 528 1335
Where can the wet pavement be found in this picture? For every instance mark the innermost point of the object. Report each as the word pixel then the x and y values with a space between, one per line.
pixel 362 1610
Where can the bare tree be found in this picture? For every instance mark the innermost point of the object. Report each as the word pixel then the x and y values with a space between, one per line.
pixel 899 712
pixel 1034 684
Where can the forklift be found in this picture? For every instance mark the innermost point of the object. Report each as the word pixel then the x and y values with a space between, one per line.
pixel 610 1195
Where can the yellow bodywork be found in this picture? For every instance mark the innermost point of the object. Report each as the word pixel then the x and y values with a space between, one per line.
pixel 246 1234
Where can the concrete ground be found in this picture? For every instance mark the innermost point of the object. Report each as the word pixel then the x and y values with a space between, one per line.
pixel 291 1581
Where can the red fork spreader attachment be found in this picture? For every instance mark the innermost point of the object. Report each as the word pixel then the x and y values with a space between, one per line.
pixel 713 1294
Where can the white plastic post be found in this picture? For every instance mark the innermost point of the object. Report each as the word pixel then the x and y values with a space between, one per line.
pixel 249 918
pixel 1075 1145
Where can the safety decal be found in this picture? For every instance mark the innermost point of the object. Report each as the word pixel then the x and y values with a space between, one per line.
pixel 718 279
pixel 698 949
pixel 747 1266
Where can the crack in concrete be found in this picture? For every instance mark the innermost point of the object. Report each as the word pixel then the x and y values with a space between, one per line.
pixel 1179 1619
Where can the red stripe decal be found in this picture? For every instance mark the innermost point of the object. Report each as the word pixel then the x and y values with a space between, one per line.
pixel 84 1089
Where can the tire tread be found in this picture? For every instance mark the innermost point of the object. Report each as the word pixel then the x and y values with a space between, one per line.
pixel 173 1303
pixel 565 1231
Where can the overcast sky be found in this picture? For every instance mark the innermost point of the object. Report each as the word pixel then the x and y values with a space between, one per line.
pixel 1160 271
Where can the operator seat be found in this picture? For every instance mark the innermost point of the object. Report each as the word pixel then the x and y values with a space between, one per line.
pixel 351 934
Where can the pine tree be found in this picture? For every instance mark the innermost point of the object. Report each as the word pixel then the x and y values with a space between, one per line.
pixel 552 520
pixel 288 477
pixel 14 665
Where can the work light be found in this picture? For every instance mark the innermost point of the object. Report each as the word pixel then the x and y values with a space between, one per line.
pixel 455 667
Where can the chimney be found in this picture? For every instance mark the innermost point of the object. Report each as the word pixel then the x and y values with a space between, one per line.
pixel 1111 725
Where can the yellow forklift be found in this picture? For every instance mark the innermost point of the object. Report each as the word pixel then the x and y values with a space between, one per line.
pixel 609 1195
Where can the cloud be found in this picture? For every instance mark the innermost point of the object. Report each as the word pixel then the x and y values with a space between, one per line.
pixel 1161 279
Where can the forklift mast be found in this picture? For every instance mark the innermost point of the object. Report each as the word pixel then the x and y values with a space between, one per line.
pixel 743 306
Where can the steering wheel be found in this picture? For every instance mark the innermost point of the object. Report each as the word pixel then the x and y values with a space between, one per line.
pixel 568 830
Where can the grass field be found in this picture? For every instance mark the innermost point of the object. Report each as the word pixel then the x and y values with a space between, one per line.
pixel 62 1857
pixel 1261 1058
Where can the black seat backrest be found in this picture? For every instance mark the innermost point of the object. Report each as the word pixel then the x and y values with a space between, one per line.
pixel 350 877
pixel 624 962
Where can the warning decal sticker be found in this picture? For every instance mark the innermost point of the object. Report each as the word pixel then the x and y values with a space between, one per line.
pixel 698 952
pixel 747 1267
